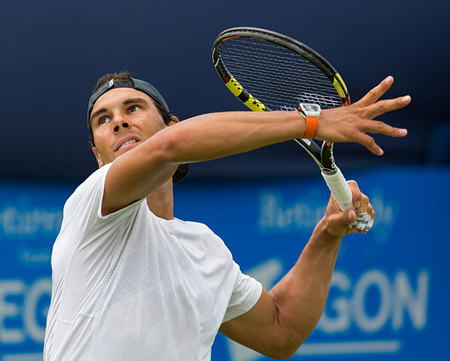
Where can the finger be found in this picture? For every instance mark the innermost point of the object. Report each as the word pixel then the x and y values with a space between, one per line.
pixel 349 216
pixel 378 127
pixel 338 222
pixel 376 93
pixel 368 142
pixel 366 209
pixel 384 106
pixel 344 218
pixel 356 194
pixel 364 204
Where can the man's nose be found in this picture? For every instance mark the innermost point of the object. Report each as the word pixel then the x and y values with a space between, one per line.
pixel 120 122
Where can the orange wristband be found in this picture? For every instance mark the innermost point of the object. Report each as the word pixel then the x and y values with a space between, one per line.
pixel 311 113
pixel 311 127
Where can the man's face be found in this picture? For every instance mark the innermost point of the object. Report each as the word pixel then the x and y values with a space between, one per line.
pixel 122 119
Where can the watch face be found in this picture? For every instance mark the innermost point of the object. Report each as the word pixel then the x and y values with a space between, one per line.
pixel 310 108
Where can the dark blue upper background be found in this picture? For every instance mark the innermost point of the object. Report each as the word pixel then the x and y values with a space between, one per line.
pixel 52 53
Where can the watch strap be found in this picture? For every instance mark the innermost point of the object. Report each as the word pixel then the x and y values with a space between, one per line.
pixel 311 126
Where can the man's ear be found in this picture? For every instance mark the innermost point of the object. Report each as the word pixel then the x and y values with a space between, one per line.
pixel 174 120
pixel 98 157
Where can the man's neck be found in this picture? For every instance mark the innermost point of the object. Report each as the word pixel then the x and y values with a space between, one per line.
pixel 160 202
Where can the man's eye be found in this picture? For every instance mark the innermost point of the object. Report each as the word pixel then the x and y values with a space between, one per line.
pixel 134 108
pixel 103 120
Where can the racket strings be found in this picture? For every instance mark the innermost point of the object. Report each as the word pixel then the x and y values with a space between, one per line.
pixel 276 76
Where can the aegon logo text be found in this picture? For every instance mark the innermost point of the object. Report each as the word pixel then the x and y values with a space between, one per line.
pixel 23 310
pixel 402 302
pixel 398 299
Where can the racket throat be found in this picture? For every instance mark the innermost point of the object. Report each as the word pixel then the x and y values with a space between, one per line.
pixel 327 158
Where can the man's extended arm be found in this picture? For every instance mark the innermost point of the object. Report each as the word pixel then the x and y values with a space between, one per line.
pixel 283 318
pixel 139 172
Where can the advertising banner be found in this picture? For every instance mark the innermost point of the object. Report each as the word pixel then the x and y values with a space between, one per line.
pixel 30 219
pixel 389 292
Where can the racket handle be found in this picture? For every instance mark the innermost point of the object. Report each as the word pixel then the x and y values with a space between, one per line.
pixel 340 189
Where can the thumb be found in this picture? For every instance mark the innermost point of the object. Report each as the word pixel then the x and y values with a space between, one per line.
pixel 338 223
pixel 348 216
pixel 343 218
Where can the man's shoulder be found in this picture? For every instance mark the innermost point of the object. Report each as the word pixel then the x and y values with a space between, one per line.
pixel 97 177
pixel 88 189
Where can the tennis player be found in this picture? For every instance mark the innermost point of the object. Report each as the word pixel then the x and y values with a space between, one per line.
pixel 131 282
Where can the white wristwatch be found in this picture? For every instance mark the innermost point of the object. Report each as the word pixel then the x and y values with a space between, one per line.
pixel 311 112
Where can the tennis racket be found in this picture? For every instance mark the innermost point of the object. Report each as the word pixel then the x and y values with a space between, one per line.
pixel 268 71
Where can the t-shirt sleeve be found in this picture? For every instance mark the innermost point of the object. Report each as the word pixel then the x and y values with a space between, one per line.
pixel 85 204
pixel 246 293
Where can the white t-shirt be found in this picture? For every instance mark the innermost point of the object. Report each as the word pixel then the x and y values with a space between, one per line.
pixel 132 286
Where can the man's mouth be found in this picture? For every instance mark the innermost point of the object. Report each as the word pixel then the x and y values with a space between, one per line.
pixel 128 142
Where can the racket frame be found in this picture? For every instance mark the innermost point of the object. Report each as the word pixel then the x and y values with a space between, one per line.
pixel 322 155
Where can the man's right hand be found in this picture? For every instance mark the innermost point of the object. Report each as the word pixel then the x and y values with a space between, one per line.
pixel 351 123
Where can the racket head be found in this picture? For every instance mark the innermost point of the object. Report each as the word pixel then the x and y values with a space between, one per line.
pixel 277 71
pixel 269 71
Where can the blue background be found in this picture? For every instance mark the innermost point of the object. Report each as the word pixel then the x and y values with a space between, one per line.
pixel 390 290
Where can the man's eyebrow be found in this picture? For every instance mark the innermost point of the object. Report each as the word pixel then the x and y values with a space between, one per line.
pixel 134 100
pixel 98 112
pixel 125 102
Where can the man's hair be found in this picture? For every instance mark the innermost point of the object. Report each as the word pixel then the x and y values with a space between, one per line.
pixel 166 115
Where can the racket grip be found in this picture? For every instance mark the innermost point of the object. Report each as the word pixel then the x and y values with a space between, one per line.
pixel 340 189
